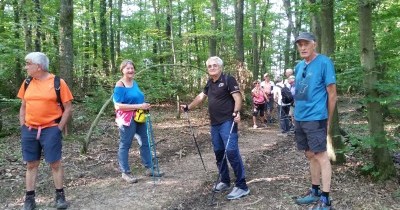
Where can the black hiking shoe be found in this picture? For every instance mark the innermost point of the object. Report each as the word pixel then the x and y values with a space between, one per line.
pixel 29 203
pixel 60 201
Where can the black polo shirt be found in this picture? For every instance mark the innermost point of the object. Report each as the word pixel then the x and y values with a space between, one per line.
pixel 220 100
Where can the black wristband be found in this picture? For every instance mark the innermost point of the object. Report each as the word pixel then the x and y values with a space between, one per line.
pixel 186 108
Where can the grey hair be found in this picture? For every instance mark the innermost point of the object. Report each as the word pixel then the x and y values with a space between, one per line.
pixel 217 59
pixel 39 58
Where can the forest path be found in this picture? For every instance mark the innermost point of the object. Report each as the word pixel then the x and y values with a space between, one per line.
pixel 275 172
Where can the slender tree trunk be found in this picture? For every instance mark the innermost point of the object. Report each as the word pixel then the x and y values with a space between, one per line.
pixel 56 42
pixel 243 75
pixel 381 156
pixel 94 26
pixel 169 33
pixel 262 39
pixel 103 37
pixel 316 24
pixel 86 54
pixel 214 27
pixel 335 143
pixel 239 4
pixel 18 60
pixel 66 44
pixel 2 8
pixel 288 43
pixel 118 32
pixel 27 29
pixel 38 11
pixel 254 40
pixel 66 41
pixel 157 45
pixel 112 48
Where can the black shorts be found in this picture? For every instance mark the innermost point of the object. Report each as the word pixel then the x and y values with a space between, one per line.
pixel 311 135
pixel 258 108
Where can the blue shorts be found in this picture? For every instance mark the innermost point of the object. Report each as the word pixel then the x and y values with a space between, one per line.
pixel 50 142
pixel 311 135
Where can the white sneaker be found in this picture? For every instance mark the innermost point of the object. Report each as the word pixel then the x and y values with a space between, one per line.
pixel 237 193
pixel 221 187
pixel 129 178
pixel 255 126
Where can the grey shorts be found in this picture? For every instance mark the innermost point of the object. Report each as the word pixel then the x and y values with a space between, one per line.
pixel 311 135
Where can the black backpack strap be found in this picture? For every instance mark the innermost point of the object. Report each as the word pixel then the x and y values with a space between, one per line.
pixel 27 82
pixel 227 83
pixel 57 87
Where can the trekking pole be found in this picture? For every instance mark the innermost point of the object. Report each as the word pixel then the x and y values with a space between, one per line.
pixel 195 141
pixel 220 167
pixel 152 147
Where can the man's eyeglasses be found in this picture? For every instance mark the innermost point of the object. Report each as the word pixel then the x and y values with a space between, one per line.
pixel 213 65
pixel 304 71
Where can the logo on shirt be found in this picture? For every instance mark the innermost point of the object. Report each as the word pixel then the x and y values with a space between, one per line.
pixel 221 85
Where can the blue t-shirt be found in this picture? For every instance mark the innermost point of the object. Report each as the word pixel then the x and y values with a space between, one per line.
pixel 311 95
pixel 128 95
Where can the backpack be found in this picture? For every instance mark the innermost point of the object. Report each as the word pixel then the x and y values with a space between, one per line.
pixel 287 97
pixel 57 88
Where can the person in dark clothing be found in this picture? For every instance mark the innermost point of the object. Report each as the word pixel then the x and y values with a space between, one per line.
pixel 224 104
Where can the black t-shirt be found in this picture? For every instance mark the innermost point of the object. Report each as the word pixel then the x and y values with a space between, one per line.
pixel 220 100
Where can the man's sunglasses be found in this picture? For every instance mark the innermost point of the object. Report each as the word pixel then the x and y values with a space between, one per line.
pixel 304 71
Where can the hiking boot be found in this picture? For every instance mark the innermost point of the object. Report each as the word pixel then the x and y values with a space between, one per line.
pixel 158 173
pixel 237 193
pixel 129 178
pixel 308 198
pixel 322 204
pixel 221 187
pixel 60 201
pixel 29 203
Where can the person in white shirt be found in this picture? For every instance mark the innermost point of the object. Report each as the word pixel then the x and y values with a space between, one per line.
pixel 283 109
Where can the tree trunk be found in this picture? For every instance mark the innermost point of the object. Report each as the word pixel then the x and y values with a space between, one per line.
pixel 157 45
pixel 86 54
pixel 27 29
pixel 94 25
pixel 316 24
pixel 334 140
pixel 254 39
pixel 103 37
pixel 381 156
pixel 289 30
pixel 212 47
pixel 239 4
pixel 170 34
pixel 112 48
pixel 17 31
pixel 66 42
pixel 38 12
pixel 118 32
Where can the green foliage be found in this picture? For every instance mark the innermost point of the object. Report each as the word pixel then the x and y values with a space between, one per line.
pixel 94 102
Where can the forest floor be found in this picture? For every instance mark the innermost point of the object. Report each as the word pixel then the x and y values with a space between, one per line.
pixel 276 171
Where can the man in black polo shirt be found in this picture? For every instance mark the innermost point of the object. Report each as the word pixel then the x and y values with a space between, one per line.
pixel 224 103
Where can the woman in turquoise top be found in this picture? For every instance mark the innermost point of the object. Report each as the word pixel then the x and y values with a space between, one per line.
pixel 128 97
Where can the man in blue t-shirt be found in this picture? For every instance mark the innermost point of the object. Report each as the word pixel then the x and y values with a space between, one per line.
pixel 315 102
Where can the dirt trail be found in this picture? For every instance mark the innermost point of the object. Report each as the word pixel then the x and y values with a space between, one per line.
pixel 276 172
